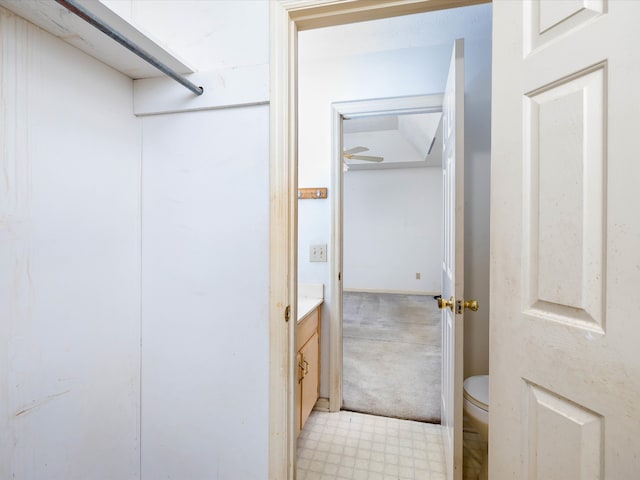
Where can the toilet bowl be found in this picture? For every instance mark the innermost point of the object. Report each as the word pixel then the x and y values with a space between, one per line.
pixel 476 407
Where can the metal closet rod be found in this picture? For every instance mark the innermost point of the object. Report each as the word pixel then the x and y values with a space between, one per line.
pixel 90 18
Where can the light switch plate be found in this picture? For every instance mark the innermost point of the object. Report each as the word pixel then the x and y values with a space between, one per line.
pixel 318 253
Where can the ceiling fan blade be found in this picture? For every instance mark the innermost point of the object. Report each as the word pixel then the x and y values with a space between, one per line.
pixel 355 150
pixel 364 157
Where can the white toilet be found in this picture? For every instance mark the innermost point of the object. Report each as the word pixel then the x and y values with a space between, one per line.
pixel 476 407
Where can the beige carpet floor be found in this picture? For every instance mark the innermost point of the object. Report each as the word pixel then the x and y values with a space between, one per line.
pixel 392 355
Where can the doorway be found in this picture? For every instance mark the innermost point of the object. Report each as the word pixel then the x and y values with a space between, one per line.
pixel 391 238
pixel 392 244
pixel 281 149
pixel 413 74
pixel 424 170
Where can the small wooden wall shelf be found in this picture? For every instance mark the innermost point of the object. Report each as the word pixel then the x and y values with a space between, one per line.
pixel 312 193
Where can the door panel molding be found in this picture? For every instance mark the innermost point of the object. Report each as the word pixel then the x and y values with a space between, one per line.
pixel 564 239
pixel 565 266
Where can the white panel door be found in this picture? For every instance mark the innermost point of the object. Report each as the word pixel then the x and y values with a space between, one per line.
pixel 565 241
pixel 453 261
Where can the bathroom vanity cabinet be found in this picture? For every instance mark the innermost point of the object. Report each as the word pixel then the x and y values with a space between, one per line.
pixel 308 364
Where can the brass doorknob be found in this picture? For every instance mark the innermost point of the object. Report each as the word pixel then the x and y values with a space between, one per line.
pixel 471 305
pixel 443 303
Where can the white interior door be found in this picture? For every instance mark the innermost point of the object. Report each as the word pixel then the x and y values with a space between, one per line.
pixel 453 261
pixel 565 241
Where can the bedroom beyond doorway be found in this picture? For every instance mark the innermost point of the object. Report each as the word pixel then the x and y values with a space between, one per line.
pixel 392 355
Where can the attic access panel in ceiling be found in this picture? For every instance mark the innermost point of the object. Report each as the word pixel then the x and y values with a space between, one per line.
pixel 403 141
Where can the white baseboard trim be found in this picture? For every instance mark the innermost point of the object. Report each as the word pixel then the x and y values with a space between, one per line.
pixel 397 292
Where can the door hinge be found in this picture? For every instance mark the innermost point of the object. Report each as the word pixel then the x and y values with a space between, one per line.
pixel 287 313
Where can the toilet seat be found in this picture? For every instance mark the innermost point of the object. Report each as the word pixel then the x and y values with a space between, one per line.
pixel 476 391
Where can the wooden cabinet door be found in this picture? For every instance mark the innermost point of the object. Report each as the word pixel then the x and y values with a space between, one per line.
pixel 310 361
pixel 298 394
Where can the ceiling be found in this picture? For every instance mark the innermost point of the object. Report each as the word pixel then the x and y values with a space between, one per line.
pixel 407 31
pixel 402 140
pixel 406 140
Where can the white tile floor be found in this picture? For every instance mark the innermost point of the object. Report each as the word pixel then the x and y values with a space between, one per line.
pixel 348 445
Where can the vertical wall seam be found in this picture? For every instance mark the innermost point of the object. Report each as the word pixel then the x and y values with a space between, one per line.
pixel 141 205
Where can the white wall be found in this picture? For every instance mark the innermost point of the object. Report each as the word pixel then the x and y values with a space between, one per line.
pixel 208 35
pixel 477 138
pixel 354 62
pixel 205 270
pixel 205 295
pixel 392 230
pixel 69 262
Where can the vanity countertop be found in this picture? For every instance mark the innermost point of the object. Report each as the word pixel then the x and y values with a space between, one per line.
pixel 306 305
pixel 310 296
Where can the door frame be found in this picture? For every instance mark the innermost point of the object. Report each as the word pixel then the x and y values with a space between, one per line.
pixel 341 111
pixel 286 19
